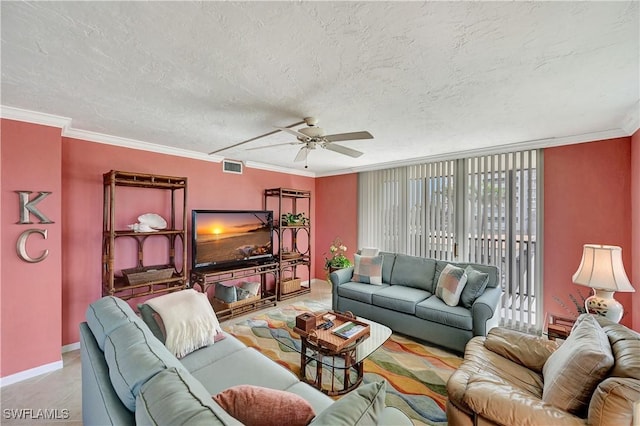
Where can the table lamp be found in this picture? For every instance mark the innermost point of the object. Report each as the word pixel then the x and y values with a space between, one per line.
pixel 601 269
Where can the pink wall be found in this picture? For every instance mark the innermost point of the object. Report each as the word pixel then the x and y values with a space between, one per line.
pixel 586 200
pixel 83 166
pixel 633 268
pixel 336 216
pixel 30 303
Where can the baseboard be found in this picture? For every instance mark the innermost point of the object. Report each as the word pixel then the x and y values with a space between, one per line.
pixel 70 347
pixel 28 374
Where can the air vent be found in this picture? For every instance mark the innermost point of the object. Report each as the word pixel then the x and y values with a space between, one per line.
pixel 229 166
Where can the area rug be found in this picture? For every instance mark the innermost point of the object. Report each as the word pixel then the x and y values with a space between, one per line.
pixel 416 374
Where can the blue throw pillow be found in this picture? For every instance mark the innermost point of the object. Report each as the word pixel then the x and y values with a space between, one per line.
pixel 226 293
pixel 476 285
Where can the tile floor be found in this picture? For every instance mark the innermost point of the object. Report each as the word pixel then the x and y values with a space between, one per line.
pixel 60 392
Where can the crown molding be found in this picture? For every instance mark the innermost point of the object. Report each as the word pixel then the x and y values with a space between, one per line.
pixel 278 169
pixel 19 114
pixel 631 122
pixel 136 144
pixel 630 125
pixel 64 123
pixel 497 149
pixel 163 149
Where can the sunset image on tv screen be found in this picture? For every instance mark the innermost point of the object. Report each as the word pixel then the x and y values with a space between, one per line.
pixel 232 236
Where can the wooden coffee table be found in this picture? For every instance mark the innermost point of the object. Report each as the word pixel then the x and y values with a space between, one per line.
pixel 337 371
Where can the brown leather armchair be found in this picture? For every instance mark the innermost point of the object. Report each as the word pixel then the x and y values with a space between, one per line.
pixel 502 379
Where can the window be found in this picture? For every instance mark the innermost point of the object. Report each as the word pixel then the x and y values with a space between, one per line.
pixel 480 209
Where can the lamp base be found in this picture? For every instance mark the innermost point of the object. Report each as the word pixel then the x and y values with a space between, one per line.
pixel 602 303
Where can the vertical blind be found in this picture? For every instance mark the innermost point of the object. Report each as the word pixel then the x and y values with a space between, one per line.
pixel 480 209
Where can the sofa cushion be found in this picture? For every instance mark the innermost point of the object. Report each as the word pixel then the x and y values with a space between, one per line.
pixel 358 291
pixel 153 321
pixel 434 309
pixel 106 314
pixel 573 371
pixel 523 348
pixel 259 406
pixel 493 271
pixel 367 269
pixel 134 355
pixel 361 407
pixel 450 285
pixel 388 262
pixel 499 402
pixel 210 354
pixel 625 345
pixel 412 271
pixel 475 286
pixel 318 400
pixel 174 397
pixel 244 367
pixel 399 298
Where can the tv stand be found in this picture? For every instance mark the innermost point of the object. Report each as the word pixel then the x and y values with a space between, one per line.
pixel 205 278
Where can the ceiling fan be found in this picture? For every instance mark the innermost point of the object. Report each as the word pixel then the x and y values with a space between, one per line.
pixel 313 137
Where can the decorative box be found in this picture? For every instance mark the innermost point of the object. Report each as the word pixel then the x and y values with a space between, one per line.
pixel 306 322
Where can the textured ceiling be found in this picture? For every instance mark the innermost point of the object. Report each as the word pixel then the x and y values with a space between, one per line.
pixel 426 79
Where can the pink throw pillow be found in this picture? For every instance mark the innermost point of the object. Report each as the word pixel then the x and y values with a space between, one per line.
pixel 255 405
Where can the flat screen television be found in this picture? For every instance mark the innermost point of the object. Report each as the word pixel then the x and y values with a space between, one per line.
pixel 229 238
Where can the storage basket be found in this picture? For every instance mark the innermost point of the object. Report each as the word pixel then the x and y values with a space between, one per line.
pixel 145 274
pixel 220 305
pixel 290 285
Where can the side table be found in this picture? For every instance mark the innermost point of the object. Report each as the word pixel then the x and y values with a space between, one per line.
pixel 559 327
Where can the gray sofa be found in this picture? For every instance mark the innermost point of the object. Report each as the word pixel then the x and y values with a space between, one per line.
pixel 129 377
pixel 406 303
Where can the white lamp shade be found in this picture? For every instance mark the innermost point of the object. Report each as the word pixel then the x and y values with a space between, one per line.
pixel 601 268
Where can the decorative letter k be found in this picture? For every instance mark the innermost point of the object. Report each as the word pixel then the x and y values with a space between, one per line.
pixel 27 207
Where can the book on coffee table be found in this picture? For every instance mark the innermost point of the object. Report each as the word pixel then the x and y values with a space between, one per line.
pixel 348 329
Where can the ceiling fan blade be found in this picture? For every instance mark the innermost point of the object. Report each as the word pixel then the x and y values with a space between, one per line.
pixel 302 154
pixel 293 132
pixel 343 150
pixel 271 146
pixel 257 137
pixel 348 136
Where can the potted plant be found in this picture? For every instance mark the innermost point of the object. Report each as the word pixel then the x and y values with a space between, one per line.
pixel 337 258
pixel 294 219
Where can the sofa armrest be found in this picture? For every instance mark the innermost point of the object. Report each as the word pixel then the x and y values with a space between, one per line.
pixel 100 402
pixel 337 278
pixel 524 349
pixel 485 308
pixel 613 401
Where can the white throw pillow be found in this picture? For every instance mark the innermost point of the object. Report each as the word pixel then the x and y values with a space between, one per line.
pixel 450 284
pixel 369 251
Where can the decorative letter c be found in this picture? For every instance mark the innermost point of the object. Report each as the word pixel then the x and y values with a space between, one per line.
pixel 21 246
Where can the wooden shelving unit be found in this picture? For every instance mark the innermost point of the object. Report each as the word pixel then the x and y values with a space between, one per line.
pixel 206 278
pixel 113 283
pixel 294 241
